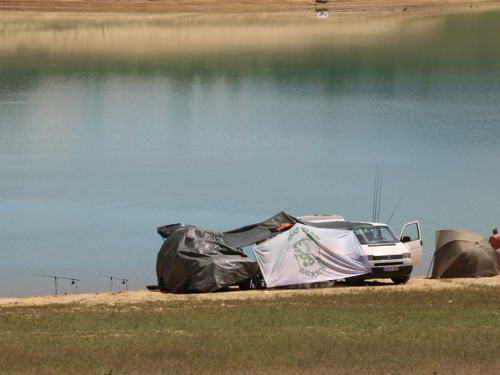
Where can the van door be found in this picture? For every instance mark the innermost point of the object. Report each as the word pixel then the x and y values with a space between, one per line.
pixel 410 236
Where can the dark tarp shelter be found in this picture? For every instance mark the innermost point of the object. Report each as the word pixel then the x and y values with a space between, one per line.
pixel 254 233
pixel 463 253
pixel 167 230
pixel 197 260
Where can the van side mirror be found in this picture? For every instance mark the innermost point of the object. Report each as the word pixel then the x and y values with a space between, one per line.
pixel 405 239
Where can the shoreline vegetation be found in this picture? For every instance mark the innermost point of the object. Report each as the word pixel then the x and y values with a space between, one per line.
pixel 424 327
pixel 200 7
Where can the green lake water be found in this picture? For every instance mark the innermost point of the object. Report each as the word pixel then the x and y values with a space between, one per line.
pixel 113 126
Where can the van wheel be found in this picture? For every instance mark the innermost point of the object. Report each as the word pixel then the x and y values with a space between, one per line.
pixel 354 281
pixel 400 280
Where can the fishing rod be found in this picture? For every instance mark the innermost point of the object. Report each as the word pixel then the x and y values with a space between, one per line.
pixel 380 191
pixel 377 192
pixel 395 209
pixel 73 280
pixel 123 281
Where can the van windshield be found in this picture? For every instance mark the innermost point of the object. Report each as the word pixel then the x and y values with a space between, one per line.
pixel 375 234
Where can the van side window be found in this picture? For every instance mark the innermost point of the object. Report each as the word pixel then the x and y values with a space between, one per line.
pixel 412 232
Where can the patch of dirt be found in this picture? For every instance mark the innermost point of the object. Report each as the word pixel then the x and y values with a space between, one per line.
pixel 139 296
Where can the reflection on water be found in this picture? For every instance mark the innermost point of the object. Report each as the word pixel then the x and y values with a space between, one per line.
pixel 112 127
pixel 92 44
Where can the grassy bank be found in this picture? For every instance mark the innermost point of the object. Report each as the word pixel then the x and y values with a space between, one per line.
pixel 369 332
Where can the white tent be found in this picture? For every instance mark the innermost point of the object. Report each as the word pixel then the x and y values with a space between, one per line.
pixel 305 254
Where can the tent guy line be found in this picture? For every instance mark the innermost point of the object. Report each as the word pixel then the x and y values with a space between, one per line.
pixel 439 225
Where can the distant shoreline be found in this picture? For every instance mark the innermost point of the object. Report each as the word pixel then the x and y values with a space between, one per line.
pixel 375 7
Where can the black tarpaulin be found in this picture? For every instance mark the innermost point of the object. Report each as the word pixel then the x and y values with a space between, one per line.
pixel 166 230
pixel 254 233
pixel 198 260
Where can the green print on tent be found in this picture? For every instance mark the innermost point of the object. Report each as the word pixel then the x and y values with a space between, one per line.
pixel 307 255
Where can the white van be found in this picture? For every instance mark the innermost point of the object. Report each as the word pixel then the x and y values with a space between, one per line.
pixel 389 256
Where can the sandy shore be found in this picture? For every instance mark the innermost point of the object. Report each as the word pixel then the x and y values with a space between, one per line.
pixel 252 6
pixel 124 298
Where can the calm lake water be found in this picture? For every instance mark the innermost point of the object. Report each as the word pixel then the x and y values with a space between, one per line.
pixel 111 127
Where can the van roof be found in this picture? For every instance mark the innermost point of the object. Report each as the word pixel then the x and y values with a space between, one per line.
pixel 348 225
pixel 321 218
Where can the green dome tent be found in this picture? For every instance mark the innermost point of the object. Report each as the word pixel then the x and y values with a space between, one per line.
pixel 463 253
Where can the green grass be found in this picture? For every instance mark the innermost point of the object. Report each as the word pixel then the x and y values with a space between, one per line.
pixel 367 332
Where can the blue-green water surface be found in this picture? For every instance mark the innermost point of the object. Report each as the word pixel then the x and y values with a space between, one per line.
pixel 109 130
